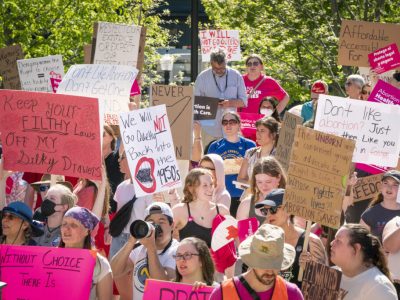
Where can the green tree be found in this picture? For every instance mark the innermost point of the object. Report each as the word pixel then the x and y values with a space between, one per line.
pixel 297 38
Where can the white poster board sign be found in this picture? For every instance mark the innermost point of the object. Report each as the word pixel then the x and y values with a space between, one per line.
pixel 227 40
pixel 35 73
pixel 365 73
pixel 117 44
pixel 148 145
pixel 111 84
pixel 374 127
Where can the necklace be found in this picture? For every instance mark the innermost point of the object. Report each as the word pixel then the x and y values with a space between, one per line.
pixel 226 83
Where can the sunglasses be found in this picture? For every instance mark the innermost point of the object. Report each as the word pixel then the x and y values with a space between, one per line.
pixel 44 187
pixel 230 122
pixel 365 92
pixel 253 63
pixel 348 83
pixel 185 256
pixel 272 210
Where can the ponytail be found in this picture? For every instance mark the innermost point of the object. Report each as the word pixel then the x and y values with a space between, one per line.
pixel 377 200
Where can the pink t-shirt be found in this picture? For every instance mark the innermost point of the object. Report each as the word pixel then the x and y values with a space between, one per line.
pixel 269 87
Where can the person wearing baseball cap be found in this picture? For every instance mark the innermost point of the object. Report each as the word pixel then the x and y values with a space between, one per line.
pixel 385 207
pixel 151 256
pixel 266 254
pixel 307 110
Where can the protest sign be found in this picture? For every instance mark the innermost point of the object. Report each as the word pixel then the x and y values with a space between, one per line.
pixel 111 84
pixel 319 166
pixel 8 66
pixel 116 44
pixel 46 272
pixel 359 38
pixel 225 233
pixel 286 137
pixel 205 108
pixel 147 139
pixel 321 282
pixel 232 165
pixel 226 40
pixel 372 125
pixel 367 187
pixel 50 133
pixel 385 59
pixel 87 53
pixel 179 102
pixel 35 73
pixel 159 290
pixel 368 77
pixel 248 124
pixel 247 228
pixel 385 93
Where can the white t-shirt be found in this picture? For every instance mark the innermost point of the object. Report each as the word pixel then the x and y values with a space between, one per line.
pixel 369 285
pixel 140 271
pixel 101 269
pixel 125 192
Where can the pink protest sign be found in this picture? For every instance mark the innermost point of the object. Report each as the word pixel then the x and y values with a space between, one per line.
pixel 50 133
pixel 384 92
pixel 135 90
pixel 248 124
pixel 385 59
pixel 159 290
pixel 37 273
pixel 247 228
pixel 55 80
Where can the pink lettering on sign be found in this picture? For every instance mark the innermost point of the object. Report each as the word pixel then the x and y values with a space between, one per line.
pixel 159 290
pixel 50 133
pixel 385 59
pixel 32 272
pixel 247 228
pixel 248 124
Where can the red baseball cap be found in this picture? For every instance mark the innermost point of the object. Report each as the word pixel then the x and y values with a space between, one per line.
pixel 319 87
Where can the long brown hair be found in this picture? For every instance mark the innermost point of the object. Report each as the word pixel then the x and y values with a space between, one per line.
pixel 207 268
pixel 269 166
pixel 371 247
pixel 272 125
pixel 192 181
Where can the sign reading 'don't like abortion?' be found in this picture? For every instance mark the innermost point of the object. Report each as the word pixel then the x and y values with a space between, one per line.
pixel 148 145
pixel 8 66
pixel 35 74
pixel 50 133
pixel 46 272
pixel 374 127
pixel 359 38
pixel 226 40
pixel 318 170
pixel 111 84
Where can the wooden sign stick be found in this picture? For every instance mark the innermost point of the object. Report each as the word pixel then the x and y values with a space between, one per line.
pixel 305 246
pixel 53 180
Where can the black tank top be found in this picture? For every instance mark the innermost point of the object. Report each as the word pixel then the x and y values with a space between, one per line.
pixel 192 229
pixel 292 273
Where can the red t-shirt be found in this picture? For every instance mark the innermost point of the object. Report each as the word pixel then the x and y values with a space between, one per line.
pixel 269 87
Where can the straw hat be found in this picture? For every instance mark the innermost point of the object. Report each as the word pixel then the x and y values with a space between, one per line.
pixel 46 179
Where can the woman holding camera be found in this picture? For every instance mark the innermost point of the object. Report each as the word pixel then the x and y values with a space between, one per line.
pixel 76 227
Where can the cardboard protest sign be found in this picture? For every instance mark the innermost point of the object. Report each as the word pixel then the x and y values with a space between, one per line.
pixel 205 108
pixel 226 40
pixel 179 102
pixel 157 290
pixel 50 133
pixel 321 282
pixel 246 228
pixel 147 139
pixel 116 44
pixel 385 93
pixel 385 59
pixel 35 73
pixel 111 84
pixel 358 38
pixel 8 66
pixel 225 233
pixel 32 272
pixel 372 125
pixel 367 187
pixel 319 166
pixel 366 74
pixel 286 137
pixel 232 165
pixel 248 124
pixel 87 53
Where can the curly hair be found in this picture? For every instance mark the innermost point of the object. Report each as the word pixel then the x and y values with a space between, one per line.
pixel 192 181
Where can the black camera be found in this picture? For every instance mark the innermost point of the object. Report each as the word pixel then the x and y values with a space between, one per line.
pixel 140 229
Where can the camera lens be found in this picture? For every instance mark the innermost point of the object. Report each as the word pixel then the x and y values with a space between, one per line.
pixel 140 229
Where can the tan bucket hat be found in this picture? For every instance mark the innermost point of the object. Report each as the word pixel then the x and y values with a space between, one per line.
pixel 46 178
pixel 267 250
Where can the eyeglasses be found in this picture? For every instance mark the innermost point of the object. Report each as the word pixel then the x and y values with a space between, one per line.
pixel 185 256
pixel 348 83
pixel 44 187
pixel 365 92
pixel 273 210
pixel 253 63
pixel 230 122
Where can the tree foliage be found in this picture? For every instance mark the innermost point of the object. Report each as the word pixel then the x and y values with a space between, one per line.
pixel 297 38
